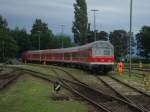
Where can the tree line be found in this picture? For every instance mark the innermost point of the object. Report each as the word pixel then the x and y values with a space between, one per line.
pixel 13 42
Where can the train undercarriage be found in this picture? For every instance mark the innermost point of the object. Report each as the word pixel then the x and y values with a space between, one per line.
pixel 92 68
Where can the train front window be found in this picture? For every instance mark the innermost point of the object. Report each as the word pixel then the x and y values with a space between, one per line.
pixel 97 51
pixel 107 51
pixel 100 51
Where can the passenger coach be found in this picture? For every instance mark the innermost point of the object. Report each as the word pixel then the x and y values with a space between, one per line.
pixel 96 56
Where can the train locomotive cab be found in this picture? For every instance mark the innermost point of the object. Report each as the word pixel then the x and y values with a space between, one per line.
pixel 102 58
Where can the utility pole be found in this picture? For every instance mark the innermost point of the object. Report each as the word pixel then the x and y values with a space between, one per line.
pixel 39 40
pixel 3 44
pixel 62 29
pixel 130 56
pixel 62 33
pixel 94 12
pixel 39 43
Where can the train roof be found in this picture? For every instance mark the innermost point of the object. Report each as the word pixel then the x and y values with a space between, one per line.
pixel 74 49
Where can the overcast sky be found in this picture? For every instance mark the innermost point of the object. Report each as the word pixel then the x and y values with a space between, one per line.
pixel 112 15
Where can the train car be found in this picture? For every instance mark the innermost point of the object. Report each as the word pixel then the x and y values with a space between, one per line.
pixel 96 56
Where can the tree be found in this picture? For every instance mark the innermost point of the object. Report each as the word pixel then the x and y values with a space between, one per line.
pixel 102 35
pixel 80 24
pixel 22 39
pixel 3 23
pixel 40 32
pixel 61 41
pixel 8 46
pixel 143 42
pixel 120 40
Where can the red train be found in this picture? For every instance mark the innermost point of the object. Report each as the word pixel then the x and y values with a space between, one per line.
pixel 96 56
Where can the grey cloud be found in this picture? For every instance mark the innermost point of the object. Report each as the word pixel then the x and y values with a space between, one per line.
pixel 113 14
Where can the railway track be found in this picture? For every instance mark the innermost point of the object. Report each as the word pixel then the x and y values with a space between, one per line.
pixel 106 88
pixel 127 92
pixel 140 71
pixel 114 94
pixel 99 99
pixel 7 78
pixel 105 102
pixel 100 86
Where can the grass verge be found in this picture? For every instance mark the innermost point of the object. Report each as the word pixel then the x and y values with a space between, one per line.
pixel 30 94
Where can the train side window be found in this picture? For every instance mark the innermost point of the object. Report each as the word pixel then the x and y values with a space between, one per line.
pixel 66 55
pixel 75 55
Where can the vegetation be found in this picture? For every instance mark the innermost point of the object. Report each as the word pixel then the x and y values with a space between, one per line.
pixel 102 35
pixel 80 25
pixel 61 41
pixel 40 32
pixel 120 40
pixel 134 79
pixel 8 46
pixel 33 95
pixel 13 42
pixel 143 42
pixel 22 39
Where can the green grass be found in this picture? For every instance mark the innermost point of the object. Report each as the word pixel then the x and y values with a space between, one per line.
pixel 133 79
pixel 29 94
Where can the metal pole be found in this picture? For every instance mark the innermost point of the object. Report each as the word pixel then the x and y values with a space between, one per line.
pixel 62 33
pixel 94 10
pixel 3 43
pixel 62 29
pixel 39 41
pixel 39 44
pixel 94 27
pixel 130 36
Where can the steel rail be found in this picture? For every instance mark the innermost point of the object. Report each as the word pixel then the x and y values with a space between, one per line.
pixel 121 101
pixel 121 95
pixel 4 83
pixel 136 90
pixel 93 88
pixel 63 84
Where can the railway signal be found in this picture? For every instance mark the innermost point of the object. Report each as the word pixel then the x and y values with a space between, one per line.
pixel 57 87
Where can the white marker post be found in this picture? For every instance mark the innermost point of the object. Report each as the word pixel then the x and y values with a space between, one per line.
pixel 57 87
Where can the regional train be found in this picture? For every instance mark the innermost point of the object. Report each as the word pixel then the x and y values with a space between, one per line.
pixel 95 56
